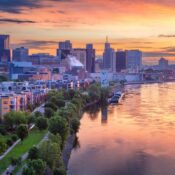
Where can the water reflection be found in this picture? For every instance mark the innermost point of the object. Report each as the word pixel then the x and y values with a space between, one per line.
pixel 133 138
pixel 104 114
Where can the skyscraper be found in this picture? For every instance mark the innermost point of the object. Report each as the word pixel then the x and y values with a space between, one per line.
pixel 90 58
pixel 120 60
pixel 133 59
pixel 163 63
pixel 20 54
pixel 108 56
pixel 64 49
pixel 4 48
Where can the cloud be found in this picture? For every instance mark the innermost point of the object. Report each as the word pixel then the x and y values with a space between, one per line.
pixel 167 36
pixel 169 49
pixel 17 6
pixel 18 21
pixel 35 44
pixel 158 54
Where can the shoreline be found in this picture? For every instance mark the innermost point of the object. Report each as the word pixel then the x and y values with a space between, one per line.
pixel 66 153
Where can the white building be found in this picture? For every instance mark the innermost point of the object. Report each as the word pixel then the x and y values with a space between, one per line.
pixel 80 55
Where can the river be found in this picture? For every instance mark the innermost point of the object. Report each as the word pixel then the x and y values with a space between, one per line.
pixel 136 137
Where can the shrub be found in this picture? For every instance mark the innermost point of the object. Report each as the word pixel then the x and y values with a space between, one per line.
pixel 42 123
pixel 3 146
pixel 75 124
pixel 49 112
pixel 9 142
pixel 59 171
pixel 33 153
pixel 3 130
pixel 14 137
pixel 22 131
pixel 15 161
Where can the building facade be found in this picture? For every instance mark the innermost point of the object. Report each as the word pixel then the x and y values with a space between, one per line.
pixel 108 57
pixel 120 61
pixel 133 59
pixel 64 49
pixel 5 48
pixel 20 54
pixel 90 58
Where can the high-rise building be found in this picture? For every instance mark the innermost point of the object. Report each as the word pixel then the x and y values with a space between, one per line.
pixel 133 59
pixel 64 49
pixel 120 60
pixel 80 55
pixel 163 63
pixel 5 48
pixel 108 56
pixel 20 54
pixel 90 58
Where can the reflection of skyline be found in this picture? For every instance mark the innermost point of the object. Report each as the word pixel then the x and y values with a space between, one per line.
pixel 137 139
pixel 104 115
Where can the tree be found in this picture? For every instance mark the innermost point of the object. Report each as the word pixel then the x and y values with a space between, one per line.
pixel 50 153
pixel 22 131
pixel 35 167
pixel 55 138
pixel 42 123
pixel 13 119
pixel 94 92
pixel 33 153
pixel 75 124
pixel 31 119
pixel 3 146
pixel 49 112
pixel 38 114
pixel 51 105
pixel 104 93
pixel 28 171
pixel 38 165
pixel 58 125
pixel 60 103
pixel 59 171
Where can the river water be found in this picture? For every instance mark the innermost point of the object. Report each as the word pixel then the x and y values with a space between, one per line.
pixel 136 137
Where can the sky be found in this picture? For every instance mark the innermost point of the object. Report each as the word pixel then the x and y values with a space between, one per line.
pixel 148 25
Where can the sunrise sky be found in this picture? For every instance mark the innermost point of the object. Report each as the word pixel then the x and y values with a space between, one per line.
pixel 148 25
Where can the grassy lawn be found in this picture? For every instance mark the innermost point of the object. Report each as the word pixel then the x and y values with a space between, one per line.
pixel 5 137
pixel 34 138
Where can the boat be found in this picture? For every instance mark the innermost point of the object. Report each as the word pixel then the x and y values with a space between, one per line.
pixel 117 97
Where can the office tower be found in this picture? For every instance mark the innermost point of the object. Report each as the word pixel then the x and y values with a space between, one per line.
pixel 20 54
pixel 108 56
pixel 4 48
pixel 90 58
pixel 120 60
pixel 163 63
pixel 80 55
pixel 133 59
pixel 64 49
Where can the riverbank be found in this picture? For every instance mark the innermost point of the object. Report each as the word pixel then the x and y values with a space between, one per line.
pixel 149 82
pixel 66 153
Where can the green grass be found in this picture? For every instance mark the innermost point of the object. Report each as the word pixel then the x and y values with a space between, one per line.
pixel 35 136
pixel 4 138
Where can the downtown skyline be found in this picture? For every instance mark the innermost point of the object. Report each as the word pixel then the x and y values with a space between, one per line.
pixel 39 25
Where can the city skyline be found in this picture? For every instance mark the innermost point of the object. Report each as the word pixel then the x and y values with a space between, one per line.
pixel 39 25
